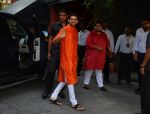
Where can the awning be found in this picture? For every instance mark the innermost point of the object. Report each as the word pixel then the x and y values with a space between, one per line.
pixel 48 1
pixel 63 1
pixel 17 6
pixel 55 1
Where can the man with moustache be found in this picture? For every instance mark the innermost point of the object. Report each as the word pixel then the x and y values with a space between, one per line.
pixel 54 55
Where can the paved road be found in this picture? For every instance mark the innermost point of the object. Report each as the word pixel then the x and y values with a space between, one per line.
pixel 26 99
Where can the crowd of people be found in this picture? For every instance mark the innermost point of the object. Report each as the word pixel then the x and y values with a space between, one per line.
pixel 70 51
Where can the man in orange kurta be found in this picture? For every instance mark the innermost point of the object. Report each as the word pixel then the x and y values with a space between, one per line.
pixel 68 37
pixel 68 56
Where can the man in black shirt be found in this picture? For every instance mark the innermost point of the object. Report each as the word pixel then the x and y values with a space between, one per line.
pixel 54 55
pixel 145 71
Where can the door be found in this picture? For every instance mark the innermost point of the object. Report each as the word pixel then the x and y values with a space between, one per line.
pixel 22 49
pixel 7 55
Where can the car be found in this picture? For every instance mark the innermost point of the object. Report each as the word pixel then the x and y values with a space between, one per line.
pixel 19 51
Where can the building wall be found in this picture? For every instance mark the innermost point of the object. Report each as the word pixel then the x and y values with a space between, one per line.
pixel 6 3
pixel 74 6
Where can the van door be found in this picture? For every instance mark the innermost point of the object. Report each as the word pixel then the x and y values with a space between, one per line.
pixel 36 48
pixel 7 54
pixel 25 57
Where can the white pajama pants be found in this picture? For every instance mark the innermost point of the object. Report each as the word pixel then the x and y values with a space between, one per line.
pixel 99 77
pixel 71 92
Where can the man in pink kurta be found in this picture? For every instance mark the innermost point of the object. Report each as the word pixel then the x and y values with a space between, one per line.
pixel 95 59
pixel 95 56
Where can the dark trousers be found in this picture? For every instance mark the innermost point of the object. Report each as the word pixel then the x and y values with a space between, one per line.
pixel 125 66
pixel 43 56
pixel 145 94
pixel 140 77
pixel 52 67
pixel 81 54
pixel 106 69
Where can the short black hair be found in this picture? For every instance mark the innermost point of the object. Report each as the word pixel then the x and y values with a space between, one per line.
pixel 128 25
pixel 62 10
pixel 146 18
pixel 97 22
pixel 82 23
pixel 73 14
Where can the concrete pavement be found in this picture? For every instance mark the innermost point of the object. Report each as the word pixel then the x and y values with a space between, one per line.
pixel 26 99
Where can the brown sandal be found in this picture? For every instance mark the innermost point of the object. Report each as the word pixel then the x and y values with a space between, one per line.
pixel 56 102
pixel 78 107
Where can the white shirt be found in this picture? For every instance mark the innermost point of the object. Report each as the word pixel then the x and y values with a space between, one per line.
pixel 82 36
pixel 111 38
pixel 124 44
pixel 140 41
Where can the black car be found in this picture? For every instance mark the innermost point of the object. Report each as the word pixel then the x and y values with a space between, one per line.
pixel 19 50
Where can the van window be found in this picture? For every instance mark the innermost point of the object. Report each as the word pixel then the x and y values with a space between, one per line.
pixel 16 29
pixel 4 32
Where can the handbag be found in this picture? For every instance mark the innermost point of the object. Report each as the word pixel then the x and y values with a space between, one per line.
pixel 112 67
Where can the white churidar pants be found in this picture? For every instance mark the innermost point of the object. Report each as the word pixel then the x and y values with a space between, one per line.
pixel 71 92
pixel 99 77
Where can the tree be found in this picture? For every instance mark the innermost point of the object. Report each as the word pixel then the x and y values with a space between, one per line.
pixel 119 13
pixel 100 8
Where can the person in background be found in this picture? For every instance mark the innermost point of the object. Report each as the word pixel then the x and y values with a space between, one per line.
pixel 140 49
pixel 54 55
pixel 82 36
pixel 111 40
pixel 43 51
pixel 95 55
pixel 124 46
pixel 68 38
pixel 145 72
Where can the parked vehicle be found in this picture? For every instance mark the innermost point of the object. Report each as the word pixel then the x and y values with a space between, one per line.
pixel 19 50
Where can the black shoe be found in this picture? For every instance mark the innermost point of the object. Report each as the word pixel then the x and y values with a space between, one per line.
pixel 45 94
pixel 62 95
pixel 103 89
pixel 128 83
pixel 119 83
pixel 108 81
pixel 86 86
pixel 56 101
pixel 137 91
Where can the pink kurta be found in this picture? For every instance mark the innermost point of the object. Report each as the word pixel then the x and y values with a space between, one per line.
pixel 95 59
pixel 68 56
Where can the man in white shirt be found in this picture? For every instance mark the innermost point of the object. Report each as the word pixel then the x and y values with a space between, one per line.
pixel 140 49
pixel 111 40
pixel 82 36
pixel 125 47
pixel 139 53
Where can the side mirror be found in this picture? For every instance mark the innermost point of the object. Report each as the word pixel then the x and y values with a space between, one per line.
pixel 45 34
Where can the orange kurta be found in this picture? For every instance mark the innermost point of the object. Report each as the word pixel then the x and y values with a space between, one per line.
pixel 68 56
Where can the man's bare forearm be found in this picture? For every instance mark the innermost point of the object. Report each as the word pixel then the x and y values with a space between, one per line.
pixel 49 44
pixel 146 57
pixel 56 40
